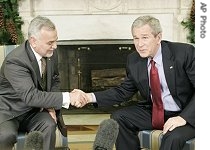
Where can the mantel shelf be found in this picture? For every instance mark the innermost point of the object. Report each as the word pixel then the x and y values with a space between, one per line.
pixel 95 42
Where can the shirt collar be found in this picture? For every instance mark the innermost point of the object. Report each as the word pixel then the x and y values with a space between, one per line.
pixel 38 56
pixel 158 57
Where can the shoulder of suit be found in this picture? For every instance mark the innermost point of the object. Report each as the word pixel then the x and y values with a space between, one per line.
pixel 165 42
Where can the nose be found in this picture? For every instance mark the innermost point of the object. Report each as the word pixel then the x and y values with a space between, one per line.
pixel 54 45
pixel 140 43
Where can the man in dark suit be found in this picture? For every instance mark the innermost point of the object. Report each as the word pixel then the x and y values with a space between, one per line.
pixel 176 67
pixel 30 100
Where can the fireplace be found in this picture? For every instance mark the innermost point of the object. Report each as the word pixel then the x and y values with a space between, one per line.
pixel 93 65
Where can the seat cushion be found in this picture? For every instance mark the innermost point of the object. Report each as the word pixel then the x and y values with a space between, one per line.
pixel 151 139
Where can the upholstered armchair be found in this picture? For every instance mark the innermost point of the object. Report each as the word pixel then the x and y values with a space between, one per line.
pixel 151 140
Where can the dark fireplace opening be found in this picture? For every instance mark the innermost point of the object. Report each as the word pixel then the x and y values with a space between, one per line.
pixel 93 65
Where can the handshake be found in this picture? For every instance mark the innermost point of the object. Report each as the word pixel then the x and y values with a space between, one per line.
pixel 78 98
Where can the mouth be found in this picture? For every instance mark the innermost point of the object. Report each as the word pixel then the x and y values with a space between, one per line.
pixel 141 50
pixel 51 51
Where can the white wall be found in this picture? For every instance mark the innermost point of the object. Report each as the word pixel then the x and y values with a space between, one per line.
pixel 106 19
pixel 1 55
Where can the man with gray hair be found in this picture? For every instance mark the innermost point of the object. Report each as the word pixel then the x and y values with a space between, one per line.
pixel 163 72
pixel 30 99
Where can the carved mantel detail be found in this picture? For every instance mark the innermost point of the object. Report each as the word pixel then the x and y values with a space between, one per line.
pixel 105 4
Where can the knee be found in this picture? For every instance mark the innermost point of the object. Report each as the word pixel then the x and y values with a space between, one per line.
pixel 50 125
pixel 8 138
pixel 117 115
pixel 121 119
pixel 173 137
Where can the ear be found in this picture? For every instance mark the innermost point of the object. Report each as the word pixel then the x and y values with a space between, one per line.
pixel 32 41
pixel 159 37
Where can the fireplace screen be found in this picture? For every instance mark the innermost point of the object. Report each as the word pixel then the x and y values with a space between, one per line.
pixel 106 78
pixel 93 65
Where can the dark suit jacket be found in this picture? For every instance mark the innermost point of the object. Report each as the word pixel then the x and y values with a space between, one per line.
pixel 179 67
pixel 20 89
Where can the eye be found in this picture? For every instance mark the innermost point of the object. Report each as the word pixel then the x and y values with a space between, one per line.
pixel 50 43
pixel 145 37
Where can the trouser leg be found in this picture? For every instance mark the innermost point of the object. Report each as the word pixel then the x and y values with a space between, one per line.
pixel 131 120
pixel 42 121
pixel 8 134
pixel 175 139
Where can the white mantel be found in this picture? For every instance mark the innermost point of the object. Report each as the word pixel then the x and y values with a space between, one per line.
pixel 106 19
pixel 103 26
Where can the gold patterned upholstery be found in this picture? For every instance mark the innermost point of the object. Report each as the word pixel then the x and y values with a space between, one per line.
pixel 151 140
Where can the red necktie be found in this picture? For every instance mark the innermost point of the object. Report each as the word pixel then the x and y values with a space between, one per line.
pixel 157 108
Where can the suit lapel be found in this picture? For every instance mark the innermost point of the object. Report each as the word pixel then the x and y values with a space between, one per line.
pixel 36 68
pixel 169 68
pixel 34 62
pixel 142 75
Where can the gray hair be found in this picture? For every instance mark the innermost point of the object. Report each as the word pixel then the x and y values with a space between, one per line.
pixel 149 20
pixel 38 23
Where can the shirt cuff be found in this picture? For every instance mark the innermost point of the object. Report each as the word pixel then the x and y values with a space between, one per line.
pixel 93 98
pixel 66 100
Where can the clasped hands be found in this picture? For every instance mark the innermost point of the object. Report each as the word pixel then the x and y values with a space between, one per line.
pixel 80 98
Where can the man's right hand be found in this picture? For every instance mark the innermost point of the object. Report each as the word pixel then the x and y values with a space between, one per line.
pixel 80 98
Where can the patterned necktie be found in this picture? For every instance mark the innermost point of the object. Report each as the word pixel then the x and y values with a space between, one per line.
pixel 43 72
pixel 157 108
